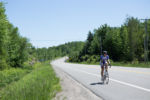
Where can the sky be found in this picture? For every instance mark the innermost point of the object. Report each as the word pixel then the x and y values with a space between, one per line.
pixel 49 23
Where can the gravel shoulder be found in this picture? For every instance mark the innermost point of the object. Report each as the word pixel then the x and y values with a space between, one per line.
pixel 71 89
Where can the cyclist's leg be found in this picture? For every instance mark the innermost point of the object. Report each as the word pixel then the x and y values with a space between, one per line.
pixel 102 70
pixel 106 66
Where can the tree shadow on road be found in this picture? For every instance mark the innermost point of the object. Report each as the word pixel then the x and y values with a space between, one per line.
pixel 98 83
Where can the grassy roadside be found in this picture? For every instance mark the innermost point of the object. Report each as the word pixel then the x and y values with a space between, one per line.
pixel 11 75
pixel 40 84
pixel 139 65
pixel 127 64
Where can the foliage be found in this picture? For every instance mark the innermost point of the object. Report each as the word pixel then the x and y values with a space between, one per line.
pixel 3 32
pixel 40 84
pixel 125 43
pixel 14 49
pixel 70 48
pixel 11 75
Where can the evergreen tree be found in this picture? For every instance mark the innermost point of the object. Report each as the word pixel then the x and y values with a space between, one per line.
pixel 3 33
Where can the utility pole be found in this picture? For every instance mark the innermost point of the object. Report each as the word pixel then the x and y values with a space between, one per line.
pixel 146 39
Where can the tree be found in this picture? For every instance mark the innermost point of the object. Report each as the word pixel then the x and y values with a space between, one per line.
pixel 123 43
pixel 16 48
pixel 3 32
pixel 134 35
pixel 88 43
pixel 99 33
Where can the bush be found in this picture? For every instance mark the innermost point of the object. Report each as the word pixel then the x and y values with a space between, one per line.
pixel 88 61
pixel 40 84
pixel 91 59
pixel 11 75
pixel 85 58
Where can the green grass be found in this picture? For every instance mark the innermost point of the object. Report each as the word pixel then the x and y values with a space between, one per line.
pixel 127 64
pixel 40 84
pixel 11 75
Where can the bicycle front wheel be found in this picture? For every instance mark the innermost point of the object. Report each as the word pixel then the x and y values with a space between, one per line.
pixel 107 80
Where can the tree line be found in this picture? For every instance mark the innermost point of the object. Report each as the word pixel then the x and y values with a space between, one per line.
pixel 50 53
pixel 15 50
pixel 125 43
pixel 13 47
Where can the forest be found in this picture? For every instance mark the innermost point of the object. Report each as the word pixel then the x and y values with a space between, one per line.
pixel 123 44
pixel 26 68
pixel 15 50
pixel 13 47
pixel 70 48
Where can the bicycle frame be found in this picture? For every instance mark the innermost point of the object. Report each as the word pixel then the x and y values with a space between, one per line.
pixel 105 76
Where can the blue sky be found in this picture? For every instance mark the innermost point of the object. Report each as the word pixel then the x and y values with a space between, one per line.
pixel 52 22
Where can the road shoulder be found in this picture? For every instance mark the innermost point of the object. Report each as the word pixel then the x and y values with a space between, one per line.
pixel 71 89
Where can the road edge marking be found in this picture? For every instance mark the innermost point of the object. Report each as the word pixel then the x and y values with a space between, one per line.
pixel 124 83
pixel 79 83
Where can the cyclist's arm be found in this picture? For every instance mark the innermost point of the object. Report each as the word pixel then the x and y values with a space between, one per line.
pixel 108 61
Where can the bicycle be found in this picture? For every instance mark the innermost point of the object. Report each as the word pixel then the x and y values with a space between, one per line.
pixel 105 78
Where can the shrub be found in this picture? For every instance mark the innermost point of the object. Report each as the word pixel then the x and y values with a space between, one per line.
pixel 40 84
pixel 10 75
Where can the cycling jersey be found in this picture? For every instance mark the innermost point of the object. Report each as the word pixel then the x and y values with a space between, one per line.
pixel 103 59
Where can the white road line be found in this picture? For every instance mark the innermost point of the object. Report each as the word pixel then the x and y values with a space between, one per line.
pixel 124 83
pixel 135 86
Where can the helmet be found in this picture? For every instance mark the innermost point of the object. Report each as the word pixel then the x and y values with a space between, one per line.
pixel 104 52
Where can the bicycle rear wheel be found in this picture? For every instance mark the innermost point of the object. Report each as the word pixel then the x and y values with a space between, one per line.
pixel 107 80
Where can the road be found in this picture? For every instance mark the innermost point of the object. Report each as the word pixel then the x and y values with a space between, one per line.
pixel 126 83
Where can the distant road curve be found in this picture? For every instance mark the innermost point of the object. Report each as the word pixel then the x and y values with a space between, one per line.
pixel 126 83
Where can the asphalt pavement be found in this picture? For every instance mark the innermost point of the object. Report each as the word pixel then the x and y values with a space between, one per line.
pixel 126 83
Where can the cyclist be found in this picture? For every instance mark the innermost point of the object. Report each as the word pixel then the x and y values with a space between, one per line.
pixel 104 61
